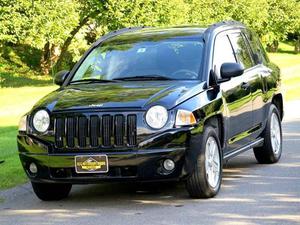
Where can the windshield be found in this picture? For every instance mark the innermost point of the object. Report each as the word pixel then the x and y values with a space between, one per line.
pixel 178 59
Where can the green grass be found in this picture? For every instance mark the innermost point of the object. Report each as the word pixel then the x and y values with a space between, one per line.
pixel 22 87
pixel 10 170
pixel 290 70
pixel 18 67
pixel 14 103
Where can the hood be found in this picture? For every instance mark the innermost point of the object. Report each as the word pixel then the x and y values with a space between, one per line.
pixel 121 95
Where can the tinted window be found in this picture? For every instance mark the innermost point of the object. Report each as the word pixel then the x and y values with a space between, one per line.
pixel 222 53
pixel 241 50
pixel 172 58
pixel 256 46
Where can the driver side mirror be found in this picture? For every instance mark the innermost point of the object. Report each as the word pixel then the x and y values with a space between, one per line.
pixel 229 70
pixel 60 77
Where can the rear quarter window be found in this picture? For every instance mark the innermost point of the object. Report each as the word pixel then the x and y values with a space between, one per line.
pixel 256 46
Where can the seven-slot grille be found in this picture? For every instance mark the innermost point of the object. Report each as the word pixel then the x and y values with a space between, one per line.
pixel 95 131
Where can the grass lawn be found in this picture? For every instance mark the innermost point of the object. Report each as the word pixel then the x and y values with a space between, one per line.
pixel 20 88
pixel 290 70
pixel 14 103
pixel 289 64
pixel 19 93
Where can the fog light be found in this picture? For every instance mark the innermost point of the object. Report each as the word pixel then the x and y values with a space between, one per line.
pixel 33 168
pixel 169 164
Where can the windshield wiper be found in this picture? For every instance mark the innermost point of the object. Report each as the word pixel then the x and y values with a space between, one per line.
pixel 92 81
pixel 145 77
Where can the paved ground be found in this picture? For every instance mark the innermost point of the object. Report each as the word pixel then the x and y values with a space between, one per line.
pixel 250 194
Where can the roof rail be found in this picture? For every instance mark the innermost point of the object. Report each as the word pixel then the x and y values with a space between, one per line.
pixel 225 23
pixel 117 32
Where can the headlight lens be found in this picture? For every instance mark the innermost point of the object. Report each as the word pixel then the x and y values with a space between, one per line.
pixel 184 117
pixel 41 121
pixel 23 123
pixel 157 117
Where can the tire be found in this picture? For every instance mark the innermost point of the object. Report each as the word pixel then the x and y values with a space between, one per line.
pixel 51 192
pixel 271 150
pixel 199 184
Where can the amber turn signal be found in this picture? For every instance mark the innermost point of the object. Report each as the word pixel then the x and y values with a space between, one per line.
pixel 184 117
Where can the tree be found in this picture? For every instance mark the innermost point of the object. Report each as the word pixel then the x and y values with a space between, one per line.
pixel 53 26
pixel 116 14
pixel 283 18
pixel 40 24
pixel 253 13
pixel 208 12
pixel 88 11
pixel 14 20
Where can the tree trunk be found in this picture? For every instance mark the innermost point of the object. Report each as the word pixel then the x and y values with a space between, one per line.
pixel 49 57
pixel 297 45
pixel 68 41
pixel 44 62
pixel 273 47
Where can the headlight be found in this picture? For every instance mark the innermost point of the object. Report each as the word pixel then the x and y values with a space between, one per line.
pixel 41 121
pixel 184 117
pixel 157 117
pixel 23 123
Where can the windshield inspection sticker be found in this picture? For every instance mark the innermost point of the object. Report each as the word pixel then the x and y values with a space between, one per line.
pixel 141 50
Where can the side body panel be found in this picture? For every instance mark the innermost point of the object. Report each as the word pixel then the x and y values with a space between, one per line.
pixel 264 83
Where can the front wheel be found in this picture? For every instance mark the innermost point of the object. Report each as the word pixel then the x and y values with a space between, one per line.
pixel 51 192
pixel 271 151
pixel 205 181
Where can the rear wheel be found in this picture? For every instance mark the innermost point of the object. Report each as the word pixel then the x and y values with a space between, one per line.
pixel 51 192
pixel 205 181
pixel 271 151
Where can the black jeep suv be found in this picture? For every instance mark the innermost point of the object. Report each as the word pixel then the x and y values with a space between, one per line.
pixel 155 104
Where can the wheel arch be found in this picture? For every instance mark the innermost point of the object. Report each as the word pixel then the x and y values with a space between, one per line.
pixel 217 122
pixel 277 100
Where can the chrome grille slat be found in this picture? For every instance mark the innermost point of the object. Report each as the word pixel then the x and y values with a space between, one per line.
pixel 119 130
pixel 131 130
pixel 94 130
pixel 82 131
pixel 71 131
pixel 107 131
pixel 59 132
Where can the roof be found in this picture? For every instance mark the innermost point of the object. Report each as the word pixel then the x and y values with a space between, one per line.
pixel 150 33
pixel 155 34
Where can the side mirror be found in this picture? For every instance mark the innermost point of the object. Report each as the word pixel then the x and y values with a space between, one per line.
pixel 60 77
pixel 229 70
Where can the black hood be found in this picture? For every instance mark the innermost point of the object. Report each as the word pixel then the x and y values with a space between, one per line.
pixel 121 95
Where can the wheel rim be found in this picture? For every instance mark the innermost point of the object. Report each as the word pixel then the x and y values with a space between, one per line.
pixel 212 162
pixel 275 134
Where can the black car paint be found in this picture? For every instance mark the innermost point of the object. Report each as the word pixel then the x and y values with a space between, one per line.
pixel 241 113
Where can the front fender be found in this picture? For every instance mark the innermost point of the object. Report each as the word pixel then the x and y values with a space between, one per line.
pixel 205 106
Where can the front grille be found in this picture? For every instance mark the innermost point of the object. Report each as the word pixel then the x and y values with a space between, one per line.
pixel 95 131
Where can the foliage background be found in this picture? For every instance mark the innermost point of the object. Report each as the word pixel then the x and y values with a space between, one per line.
pixel 59 31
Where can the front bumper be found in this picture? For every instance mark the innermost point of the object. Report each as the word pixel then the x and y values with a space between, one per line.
pixel 135 165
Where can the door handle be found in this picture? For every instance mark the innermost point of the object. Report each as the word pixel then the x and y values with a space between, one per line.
pixel 245 85
pixel 267 70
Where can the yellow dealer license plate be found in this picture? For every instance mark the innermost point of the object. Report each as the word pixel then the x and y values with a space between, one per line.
pixel 91 164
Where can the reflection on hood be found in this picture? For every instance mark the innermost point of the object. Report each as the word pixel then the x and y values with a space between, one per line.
pixel 121 95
